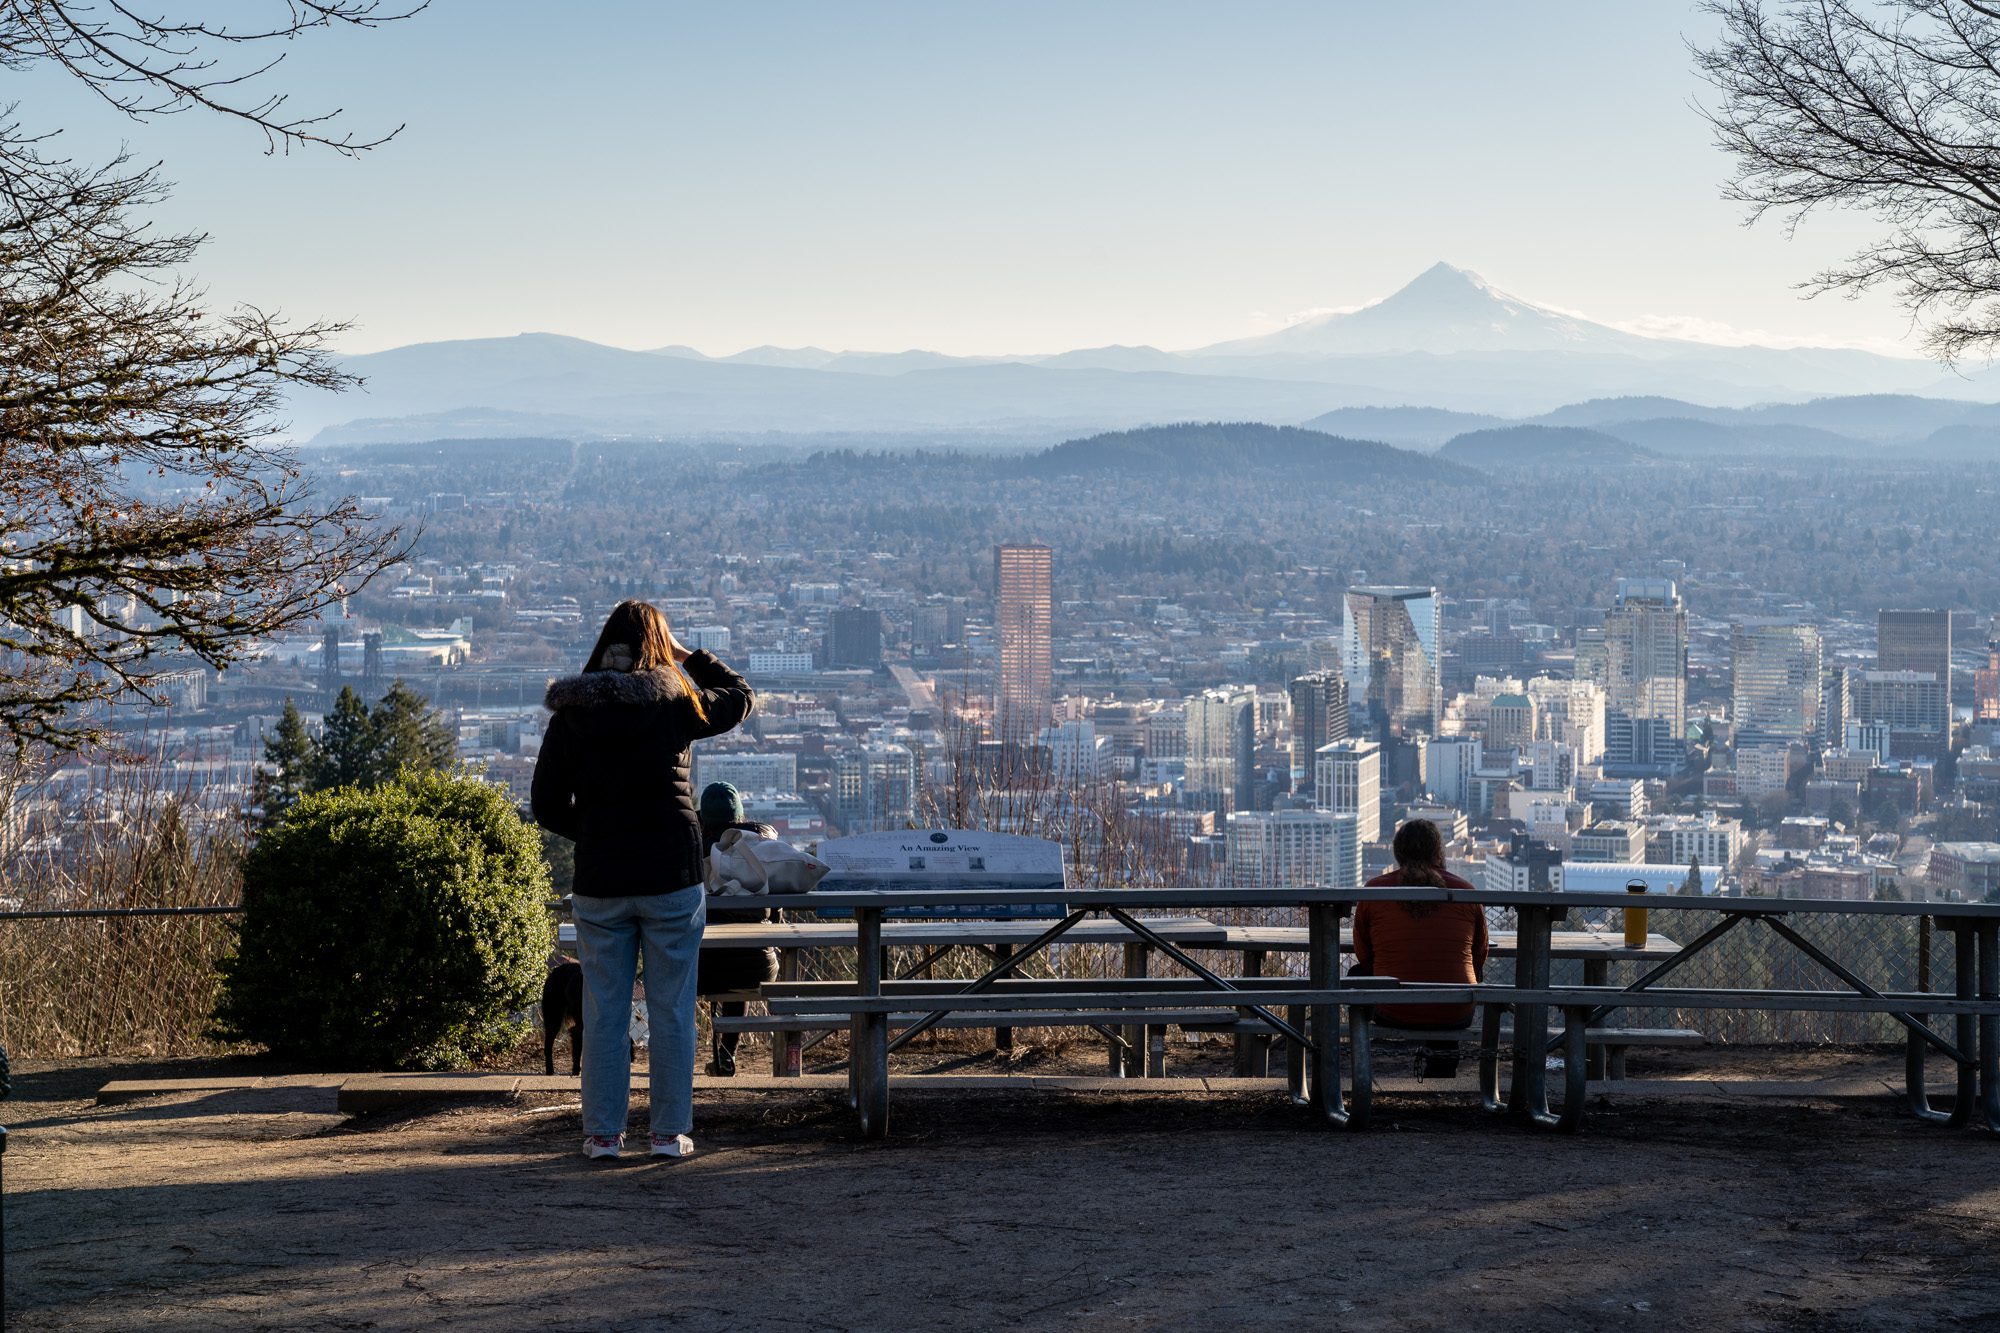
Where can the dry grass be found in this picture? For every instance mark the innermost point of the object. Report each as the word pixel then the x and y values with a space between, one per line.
pixel 123 986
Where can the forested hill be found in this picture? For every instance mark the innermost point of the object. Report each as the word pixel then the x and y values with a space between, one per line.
pixel 1519 445
pixel 1224 448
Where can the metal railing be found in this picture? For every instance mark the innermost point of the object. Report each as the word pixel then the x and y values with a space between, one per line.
pixel 135 980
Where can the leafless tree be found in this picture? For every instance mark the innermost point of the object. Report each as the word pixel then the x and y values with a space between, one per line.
pixel 143 511
pixel 153 66
pixel 1891 107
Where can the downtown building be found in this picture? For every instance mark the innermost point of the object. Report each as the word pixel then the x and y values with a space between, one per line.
pixel 1293 849
pixel 1347 780
pixel 1221 754
pixel 854 638
pixel 1024 620
pixel 1642 668
pixel 1319 718
pixel 1908 711
pixel 875 788
pixel 1776 681
pixel 1390 655
pixel 1914 641
pixel 1910 689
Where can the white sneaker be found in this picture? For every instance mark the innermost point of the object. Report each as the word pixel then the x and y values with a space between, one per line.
pixel 672 1145
pixel 603 1145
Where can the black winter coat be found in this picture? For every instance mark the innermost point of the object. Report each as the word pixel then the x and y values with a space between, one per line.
pixel 613 772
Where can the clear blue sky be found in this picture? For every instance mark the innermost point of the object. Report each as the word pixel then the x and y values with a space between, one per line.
pixel 981 178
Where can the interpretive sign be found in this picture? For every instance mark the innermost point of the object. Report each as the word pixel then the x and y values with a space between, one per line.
pixel 945 859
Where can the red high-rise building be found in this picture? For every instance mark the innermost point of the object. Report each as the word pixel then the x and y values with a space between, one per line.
pixel 1024 614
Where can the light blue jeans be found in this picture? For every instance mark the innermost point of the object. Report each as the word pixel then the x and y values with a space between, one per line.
pixel 611 933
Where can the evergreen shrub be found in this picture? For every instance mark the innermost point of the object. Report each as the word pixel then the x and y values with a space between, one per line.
pixel 401 926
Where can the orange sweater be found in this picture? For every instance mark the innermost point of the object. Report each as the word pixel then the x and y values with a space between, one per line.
pixel 1446 944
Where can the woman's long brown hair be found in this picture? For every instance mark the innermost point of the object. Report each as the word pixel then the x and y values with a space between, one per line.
pixel 1419 849
pixel 643 627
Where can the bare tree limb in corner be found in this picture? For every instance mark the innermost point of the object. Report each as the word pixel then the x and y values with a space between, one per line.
pixel 144 513
pixel 149 65
pixel 1891 107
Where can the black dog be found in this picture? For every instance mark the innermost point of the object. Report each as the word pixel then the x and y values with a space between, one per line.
pixel 562 1002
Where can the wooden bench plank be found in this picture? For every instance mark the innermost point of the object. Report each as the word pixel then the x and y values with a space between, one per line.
pixel 1028 1002
pixel 1568 944
pixel 1019 986
pixel 1086 996
pixel 1042 1018
pixel 1187 930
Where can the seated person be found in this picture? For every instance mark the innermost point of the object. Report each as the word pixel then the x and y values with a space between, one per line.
pixel 724 970
pixel 1417 942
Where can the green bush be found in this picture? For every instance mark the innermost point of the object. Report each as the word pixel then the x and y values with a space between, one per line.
pixel 401 926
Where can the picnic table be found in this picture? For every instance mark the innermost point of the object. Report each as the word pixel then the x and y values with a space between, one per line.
pixel 1974 1007
pixel 1130 1053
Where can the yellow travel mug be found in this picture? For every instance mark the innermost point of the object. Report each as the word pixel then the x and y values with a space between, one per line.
pixel 1635 917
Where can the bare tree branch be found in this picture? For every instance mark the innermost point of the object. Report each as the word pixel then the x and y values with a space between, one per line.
pixel 1890 108
pixel 148 65
pixel 143 512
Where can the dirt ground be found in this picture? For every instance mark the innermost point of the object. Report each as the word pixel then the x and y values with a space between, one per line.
pixel 263 1210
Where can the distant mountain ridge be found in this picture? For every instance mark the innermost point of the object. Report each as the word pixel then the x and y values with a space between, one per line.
pixel 1447 342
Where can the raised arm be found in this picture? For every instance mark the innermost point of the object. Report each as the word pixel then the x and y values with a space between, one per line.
pixel 726 697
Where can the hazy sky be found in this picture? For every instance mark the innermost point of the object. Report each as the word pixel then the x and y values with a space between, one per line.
pixel 994 178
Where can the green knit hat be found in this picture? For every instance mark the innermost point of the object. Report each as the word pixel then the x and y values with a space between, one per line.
pixel 720 805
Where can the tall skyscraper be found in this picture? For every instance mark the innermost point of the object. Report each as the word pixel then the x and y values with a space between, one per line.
pixel 1319 717
pixel 1348 781
pixel 1914 641
pixel 1645 648
pixel 1024 601
pixel 1391 659
pixel 1221 749
pixel 1776 680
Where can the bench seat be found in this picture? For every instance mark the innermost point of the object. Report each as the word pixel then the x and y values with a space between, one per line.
pixel 1040 1018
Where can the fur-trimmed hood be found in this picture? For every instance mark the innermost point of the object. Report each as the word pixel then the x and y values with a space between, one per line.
pixel 601 689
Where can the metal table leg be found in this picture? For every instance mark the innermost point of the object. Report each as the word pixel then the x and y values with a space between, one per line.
pixel 1323 1091
pixel 1003 1038
pixel 1576 1072
pixel 1528 1099
pixel 787 1048
pixel 1966 1029
pixel 1253 1049
pixel 1132 1060
pixel 1297 1081
pixel 1489 1058
pixel 1360 1034
pixel 869 1060
pixel 1596 972
pixel 1989 1024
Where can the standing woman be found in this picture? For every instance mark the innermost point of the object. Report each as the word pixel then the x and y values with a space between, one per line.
pixel 613 778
